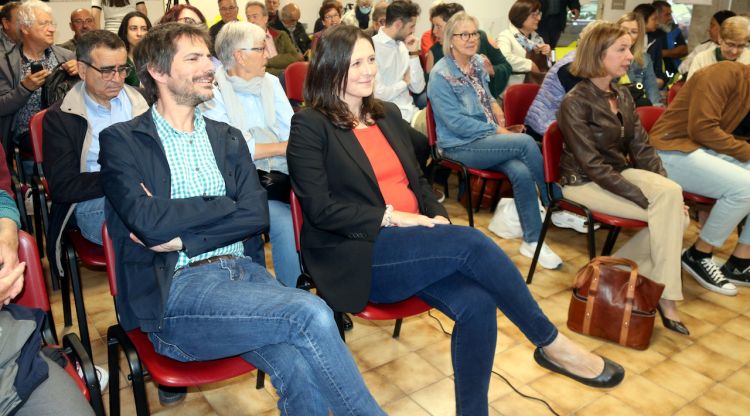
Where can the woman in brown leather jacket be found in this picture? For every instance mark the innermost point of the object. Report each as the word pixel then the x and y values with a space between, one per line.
pixel 608 165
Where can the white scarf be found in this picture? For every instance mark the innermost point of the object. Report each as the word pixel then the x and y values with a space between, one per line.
pixel 258 86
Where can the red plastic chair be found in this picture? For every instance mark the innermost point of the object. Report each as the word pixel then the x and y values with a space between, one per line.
pixel 676 87
pixel 552 145
pixel 143 360
pixel 75 248
pixel 34 295
pixel 373 311
pixel 463 171
pixel 516 102
pixel 294 81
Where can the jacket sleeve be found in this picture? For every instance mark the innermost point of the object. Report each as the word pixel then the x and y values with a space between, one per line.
pixel 500 65
pixel 286 52
pixel 307 169
pixel 11 98
pixel 62 161
pixel 447 106
pixel 156 219
pixel 642 153
pixel 578 139
pixel 519 64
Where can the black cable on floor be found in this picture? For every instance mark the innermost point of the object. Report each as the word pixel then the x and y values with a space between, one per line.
pixel 525 396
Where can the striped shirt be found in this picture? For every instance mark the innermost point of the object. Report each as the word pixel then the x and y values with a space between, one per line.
pixel 194 172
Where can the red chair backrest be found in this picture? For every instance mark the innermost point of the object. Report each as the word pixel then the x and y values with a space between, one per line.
pixel 431 130
pixel 294 77
pixel 109 256
pixel 297 219
pixel 674 90
pixel 35 132
pixel 516 102
pixel 552 145
pixel 34 293
pixel 649 115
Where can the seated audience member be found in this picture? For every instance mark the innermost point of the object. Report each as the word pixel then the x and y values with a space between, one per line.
pixel 555 17
pixel 493 60
pixel 359 15
pixel 733 40
pixel 272 6
pixel 289 22
pixel 10 34
pixel 21 80
pixel 640 71
pixel 279 49
pixel 133 28
pixel 319 21
pixel 114 10
pixel 248 98
pixel 702 141
pixel 330 15
pixel 374 231
pixel 184 13
pixel 81 21
pixel 378 18
pixel 651 19
pixel 669 35
pixel 471 129
pixel 228 11
pixel 182 195
pixel 71 131
pixel 520 39
pixel 608 165
pixel 34 383
pixel 397 55
pixel 713 38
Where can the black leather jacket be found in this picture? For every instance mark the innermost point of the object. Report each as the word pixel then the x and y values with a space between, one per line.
pixel 600 144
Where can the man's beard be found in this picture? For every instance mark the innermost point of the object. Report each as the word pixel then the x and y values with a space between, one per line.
pixel 187 96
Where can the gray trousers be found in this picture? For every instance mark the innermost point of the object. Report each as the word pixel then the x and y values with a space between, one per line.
pixel 57 396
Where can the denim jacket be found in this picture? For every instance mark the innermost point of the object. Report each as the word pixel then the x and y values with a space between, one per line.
pixel 459 116
pixel 645 75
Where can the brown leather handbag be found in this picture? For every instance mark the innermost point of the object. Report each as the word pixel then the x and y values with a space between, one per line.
pixel 614 304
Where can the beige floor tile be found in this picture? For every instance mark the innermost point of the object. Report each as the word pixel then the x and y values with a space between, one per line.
pixel 410 373
pixel 438 399
pixel 678 379
pixel 419 332
pixel 668 343
pixel 707 311
pixel 634 361
pixel 567 393
pixel 733 303
pixel 739 381
pixel 648 397
pixel 439 355
pixel 363 328
pixel 518 362
pixel 607 405
pixel 375 350
pixel 382 387
pixel 693 410
pixel 724 401
pixel 197 407
pixel 705 361
pixel 239 398
pixel 727 344
pixel 738 326
pixel 405 407
pixel 512 404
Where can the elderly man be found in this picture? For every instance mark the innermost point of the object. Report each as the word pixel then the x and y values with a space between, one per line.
pixel 81 21
pixel 9 36
pixel 289 22
pixel 273 10
pixel 182 194
pixel 280 50
pixel 23 72
pixel 228 10
pixel 669 35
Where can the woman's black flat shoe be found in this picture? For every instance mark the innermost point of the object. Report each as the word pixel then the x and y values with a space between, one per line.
pixel 611 375
pixel 675 326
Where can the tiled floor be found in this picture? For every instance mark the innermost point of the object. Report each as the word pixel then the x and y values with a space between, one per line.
pixel 704 374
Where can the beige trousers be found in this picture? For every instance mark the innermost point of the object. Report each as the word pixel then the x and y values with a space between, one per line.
pixel 655 249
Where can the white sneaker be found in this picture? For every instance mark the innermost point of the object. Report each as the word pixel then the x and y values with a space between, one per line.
pixel 101 374
pixel 547 258
pixel 567 219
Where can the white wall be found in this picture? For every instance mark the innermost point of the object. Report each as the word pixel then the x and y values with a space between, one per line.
pixel 61 10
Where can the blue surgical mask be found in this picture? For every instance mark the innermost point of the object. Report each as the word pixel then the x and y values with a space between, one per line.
pixel 365 10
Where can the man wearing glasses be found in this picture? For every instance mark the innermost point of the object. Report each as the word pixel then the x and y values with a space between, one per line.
pixel 228 11
pixel 81 21
pixel 71 136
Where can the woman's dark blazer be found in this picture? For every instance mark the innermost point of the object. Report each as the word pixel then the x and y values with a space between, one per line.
pixel 342 203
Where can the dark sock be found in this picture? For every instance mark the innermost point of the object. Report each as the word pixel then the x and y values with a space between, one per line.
pixel 697 254
pixel 739 263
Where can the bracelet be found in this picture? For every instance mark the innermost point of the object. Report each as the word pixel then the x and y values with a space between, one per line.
pixel 387 217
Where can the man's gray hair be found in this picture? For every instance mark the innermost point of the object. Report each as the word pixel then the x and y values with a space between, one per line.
pixel 26 12
pixel 260 4
pixel 233 36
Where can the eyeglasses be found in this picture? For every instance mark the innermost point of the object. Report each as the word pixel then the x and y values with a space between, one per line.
pixel 260 49
pixel 537 13
pixel 48 23
pixel 108 73
pixel 228 9
pixel 332 16
pixel 78 22
pixel 465 36
pixel 735 46
pixel 187 20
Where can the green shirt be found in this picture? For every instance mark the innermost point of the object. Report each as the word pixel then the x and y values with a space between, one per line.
pixel 194 172
pixel 132 78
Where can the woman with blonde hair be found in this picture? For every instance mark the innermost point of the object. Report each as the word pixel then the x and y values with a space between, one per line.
pixel 608 164
pixel 733 38
pixel 641 70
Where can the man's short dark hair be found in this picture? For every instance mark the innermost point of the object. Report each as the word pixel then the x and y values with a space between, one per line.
pixel 723 15
pixel 401 10
pixel 7 9
pixel 157 49
pixel 445 10
pixel 660 5
pixel 96 39
pixel 645 10
pixel 521 10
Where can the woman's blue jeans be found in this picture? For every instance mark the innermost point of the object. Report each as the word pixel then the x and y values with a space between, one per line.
pixel 284 251
pixel 465 275
pixel 235 307
pixel 517 156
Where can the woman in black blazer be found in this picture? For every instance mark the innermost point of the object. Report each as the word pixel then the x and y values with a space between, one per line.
pixel 374 231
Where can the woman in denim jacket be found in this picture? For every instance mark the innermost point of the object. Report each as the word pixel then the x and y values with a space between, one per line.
pixel 471 128
pixel 641 69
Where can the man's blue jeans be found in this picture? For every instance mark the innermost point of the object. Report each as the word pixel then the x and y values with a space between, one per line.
pixel 517 156
pixel 465 275
pixel 90 217
pixel 284 251
pixel 235 307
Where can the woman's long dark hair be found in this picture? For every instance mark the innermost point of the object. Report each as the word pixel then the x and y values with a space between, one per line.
pixel 328 74
pixel 122 32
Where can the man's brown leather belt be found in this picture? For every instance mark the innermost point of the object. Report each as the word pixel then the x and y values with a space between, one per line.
pixel 210 260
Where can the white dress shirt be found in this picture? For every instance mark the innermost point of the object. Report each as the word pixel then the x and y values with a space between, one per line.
pixel 393 61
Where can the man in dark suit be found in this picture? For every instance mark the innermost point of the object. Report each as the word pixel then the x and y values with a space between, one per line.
pixel 182 195
pixel 554 15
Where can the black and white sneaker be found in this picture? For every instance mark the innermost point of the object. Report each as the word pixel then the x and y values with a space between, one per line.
pixel 740 277
pixel 707 274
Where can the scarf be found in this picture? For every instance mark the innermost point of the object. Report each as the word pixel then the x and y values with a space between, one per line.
pixel 229 85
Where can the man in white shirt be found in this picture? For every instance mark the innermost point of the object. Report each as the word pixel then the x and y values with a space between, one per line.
pixel 397 56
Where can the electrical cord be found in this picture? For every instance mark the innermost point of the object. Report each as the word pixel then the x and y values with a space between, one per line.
pixel 525 396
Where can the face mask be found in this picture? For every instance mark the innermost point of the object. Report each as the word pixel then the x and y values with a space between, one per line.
pixel 365 10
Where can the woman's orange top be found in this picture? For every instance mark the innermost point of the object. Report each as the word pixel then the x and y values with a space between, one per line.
pixel 392 180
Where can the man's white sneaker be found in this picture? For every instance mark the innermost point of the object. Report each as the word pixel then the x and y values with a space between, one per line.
pixel 547 258
pixel 567 219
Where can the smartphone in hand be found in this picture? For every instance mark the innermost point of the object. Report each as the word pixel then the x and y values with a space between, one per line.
pixel 36 67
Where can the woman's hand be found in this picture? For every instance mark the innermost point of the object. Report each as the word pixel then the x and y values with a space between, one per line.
pixel 407 219
pixel 544 49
